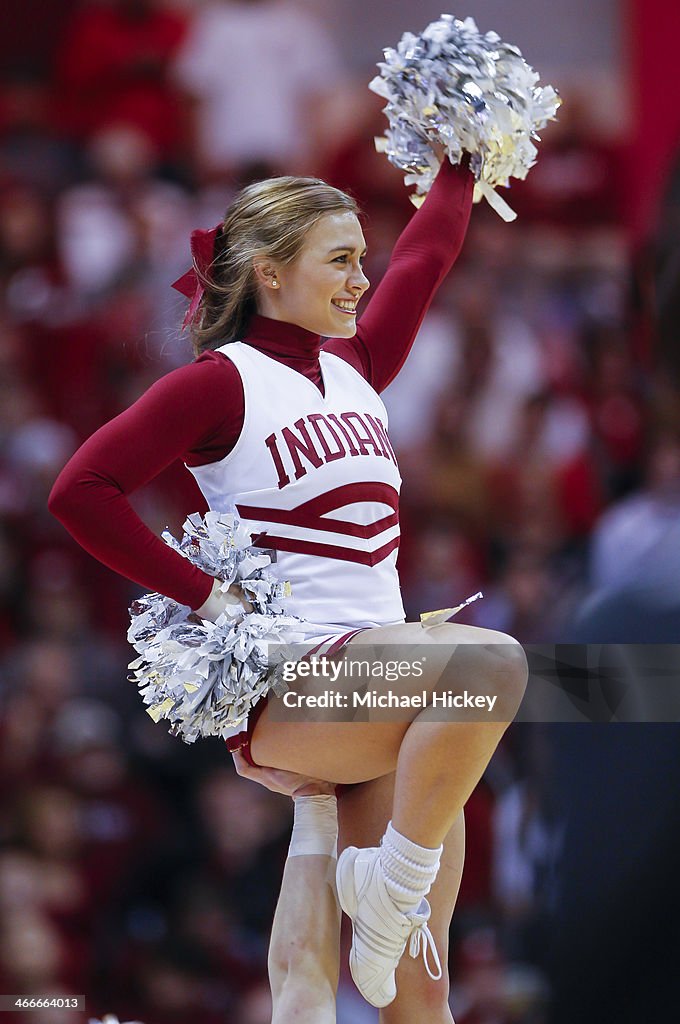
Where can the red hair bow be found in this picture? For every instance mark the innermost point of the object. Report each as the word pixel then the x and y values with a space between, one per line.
pixel 203 254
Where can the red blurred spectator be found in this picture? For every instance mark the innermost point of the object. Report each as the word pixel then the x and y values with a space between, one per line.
pixel 112 70
pixel 30 150
pixel 616 407
pixel 576 182
pixel 29 264
pixel 475 886
pixel 120 817
pixel 546 488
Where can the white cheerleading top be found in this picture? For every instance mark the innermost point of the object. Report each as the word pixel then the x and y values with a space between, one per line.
pixel 315 478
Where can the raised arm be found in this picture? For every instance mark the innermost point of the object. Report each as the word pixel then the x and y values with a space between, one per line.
pixel 190 408
pixel 423 255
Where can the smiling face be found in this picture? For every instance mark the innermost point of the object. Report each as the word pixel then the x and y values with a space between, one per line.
pixel 319 290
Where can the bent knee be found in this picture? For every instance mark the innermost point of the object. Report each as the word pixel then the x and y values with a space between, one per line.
pixel 506 662
pixel 490 661
pixel 516 666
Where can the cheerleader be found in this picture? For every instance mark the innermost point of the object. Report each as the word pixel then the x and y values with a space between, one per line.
pixel 289 428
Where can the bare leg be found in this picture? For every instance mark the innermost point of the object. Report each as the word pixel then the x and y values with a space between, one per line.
pixel 438 764
pixel 363 814
pixel 304 948
pixel 305 939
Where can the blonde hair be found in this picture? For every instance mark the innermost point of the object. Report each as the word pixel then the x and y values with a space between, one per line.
pixel 267 219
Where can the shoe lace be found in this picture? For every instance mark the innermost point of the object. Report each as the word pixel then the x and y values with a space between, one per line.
pixel 421 937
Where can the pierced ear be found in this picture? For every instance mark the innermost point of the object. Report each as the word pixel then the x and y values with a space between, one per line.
pixel 265 273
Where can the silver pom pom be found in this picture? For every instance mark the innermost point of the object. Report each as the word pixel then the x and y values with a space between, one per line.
pixel 204 677
pixel 472 93
pixel 110 1018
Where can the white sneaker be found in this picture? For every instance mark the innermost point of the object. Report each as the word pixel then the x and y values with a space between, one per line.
pixel 380 930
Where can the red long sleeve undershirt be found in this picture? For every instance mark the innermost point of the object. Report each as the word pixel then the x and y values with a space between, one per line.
pixel 196 412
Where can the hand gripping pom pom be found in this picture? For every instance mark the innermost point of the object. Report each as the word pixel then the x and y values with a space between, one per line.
pixel 204 677
pixel 472 93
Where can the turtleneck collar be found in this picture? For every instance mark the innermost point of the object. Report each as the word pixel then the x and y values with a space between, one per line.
pixel 278 338
pixel 287 343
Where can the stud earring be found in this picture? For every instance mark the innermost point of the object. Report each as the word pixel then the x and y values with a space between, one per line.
pixel 275 284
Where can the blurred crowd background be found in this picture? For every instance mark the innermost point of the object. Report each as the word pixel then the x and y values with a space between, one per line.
pixel 537 423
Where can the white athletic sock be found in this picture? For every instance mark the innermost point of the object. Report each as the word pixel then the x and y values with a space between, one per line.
pixel 408 869
pixel 315 826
